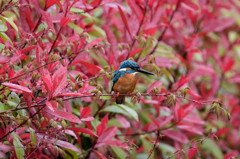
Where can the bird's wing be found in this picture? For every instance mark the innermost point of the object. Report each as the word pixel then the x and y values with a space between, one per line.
pixel 116 76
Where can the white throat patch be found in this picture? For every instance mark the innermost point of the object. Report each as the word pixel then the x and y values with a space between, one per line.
pixel 123 69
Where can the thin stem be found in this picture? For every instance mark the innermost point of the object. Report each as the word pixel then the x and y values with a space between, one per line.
pixel 165 28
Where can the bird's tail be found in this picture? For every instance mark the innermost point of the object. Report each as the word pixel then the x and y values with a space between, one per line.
pixel 120 99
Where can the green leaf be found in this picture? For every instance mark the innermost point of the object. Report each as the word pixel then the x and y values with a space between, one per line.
pixel 5 37
pixel 3 107
pixel 210 146
pixel 119 153
pixel 19 149
pixel 122 109
pixel 33 137
pixel 129 110
pixel 114 109
pixel 76 10
pixel 166 150
pixel 97 32
pixel 3 27
pixel 10 20
pixel 78 29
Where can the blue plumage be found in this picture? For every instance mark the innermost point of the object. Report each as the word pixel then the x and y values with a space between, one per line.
pixel 125 79
pixel 126 64
pixel 129 64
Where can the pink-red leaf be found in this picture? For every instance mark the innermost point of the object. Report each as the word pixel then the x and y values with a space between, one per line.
pixel 17 87
pixel 52 2
pixel 59 81
pixel 65 21
pixel 176 135
pixel 88 68
pixel 47 18
pixel 188 4
pixel 72 94
pixel 135 9
pixel 48 83
pixel 101 156
pixel 65 115
pixel 85 112
pixel 103 125
pixel 156 84
pixel 117 143
pixel 135 51
pixel 124 20
pixel 83 130
pixel 106 136
pixel 182 81
pixel 95 3
pixel 65 144
pixel 93 43
pixel 4 59
pixel 154 121
pixel 52 105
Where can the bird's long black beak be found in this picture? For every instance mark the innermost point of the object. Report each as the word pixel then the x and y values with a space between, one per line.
pixel 144 71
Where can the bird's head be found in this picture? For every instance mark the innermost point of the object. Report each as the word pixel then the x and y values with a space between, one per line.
pixel 132 67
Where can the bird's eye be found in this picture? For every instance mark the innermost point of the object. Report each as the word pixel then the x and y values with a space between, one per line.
pixel 135 68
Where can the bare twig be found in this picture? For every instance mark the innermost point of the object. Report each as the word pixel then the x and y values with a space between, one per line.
pixel 165 28
pixel 155 144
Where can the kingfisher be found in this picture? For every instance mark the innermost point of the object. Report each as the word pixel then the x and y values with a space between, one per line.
pixel 125 79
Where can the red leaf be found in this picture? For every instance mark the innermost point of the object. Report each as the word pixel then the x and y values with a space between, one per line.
pixel 102 127
pixel 95 3
pixel 4 59
pixel 123 121
pixel 29 20
pixel 154 121
pixel 117 143
pixel 90 118
pixel 47 83
pixel 65 144
pixel 101 156
pixel 65 115
pixel 190 5
pixel 150 30
pixel 72 94
pixel 52 105
pixel 47 18
pixel 27 49
pixel 176 136
pixel 94 42
pixel 191 153
pixel 88 68
pixel 182 81
pixel 164 62
pixel 135 9
pixel 135 51
pixel 83 130
pixel 17 87
pixel 52 2
pixel 65 21
pixel 229 64
pixel 85 112
pixel 190 128
pixel 59 81
pixel 164 120
pixel 4 148
pixel 27 99
pixel 124 20
pixel 156 84
pixel 106 136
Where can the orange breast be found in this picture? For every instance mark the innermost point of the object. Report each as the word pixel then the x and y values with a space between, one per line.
pixel 126 84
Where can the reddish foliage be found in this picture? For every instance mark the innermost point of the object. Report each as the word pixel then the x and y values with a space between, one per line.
pixel 56 64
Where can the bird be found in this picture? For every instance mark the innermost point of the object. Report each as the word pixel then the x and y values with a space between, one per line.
pixel 125 79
